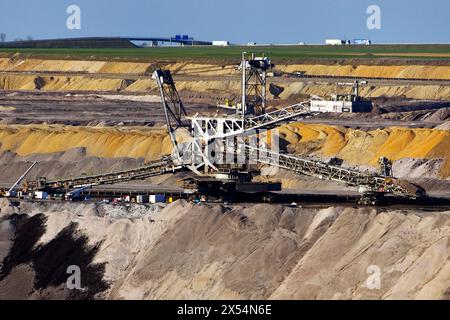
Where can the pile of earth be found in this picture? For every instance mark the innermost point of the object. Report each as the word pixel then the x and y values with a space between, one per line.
pixel 205 251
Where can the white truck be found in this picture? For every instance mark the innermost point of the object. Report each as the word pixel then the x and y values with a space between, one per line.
pixel 365 42
pixel 220 43
pixel 336 42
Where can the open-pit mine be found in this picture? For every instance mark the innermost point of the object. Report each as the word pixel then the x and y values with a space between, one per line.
pixel 247 178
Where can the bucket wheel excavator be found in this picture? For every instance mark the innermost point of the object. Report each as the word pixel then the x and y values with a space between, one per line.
pixel 222 153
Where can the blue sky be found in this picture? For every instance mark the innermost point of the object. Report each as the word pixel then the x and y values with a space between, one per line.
pixel 239 21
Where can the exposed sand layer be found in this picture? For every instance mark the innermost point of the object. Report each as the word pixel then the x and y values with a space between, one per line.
pixel 17 64
pixel 59 83
pixel 5 108
pixel 149 144
pixel 355 147
pixel 292 89
pixel 224 87
pixel 394 71
pixel 407 71
pixel 366 147
pixel 187 251
pixel 405 91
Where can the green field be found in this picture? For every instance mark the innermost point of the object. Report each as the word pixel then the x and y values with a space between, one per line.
pixel 422 52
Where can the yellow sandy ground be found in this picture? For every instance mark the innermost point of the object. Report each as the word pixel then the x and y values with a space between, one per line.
pixel 110 66
pixel 6 108
pixel 62 83
pixel 404 71
pixel 401 71
pixel 365 148
pixel 101 142
pixel 354 146
pixel 78 83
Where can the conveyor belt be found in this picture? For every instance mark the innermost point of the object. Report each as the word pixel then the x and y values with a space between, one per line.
pixel 235 125
pixel 372 182
pixel 269 119
pixel 151 169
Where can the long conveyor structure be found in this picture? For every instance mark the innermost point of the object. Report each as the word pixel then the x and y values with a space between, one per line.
pixel 296 164
pixel 222 127
pixel 203 130
pixel 370 182
pixel 151 169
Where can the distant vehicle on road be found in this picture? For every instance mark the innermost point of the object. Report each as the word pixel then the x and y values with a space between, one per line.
pixel 220 43
pixel 337 42
pixel 362 41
